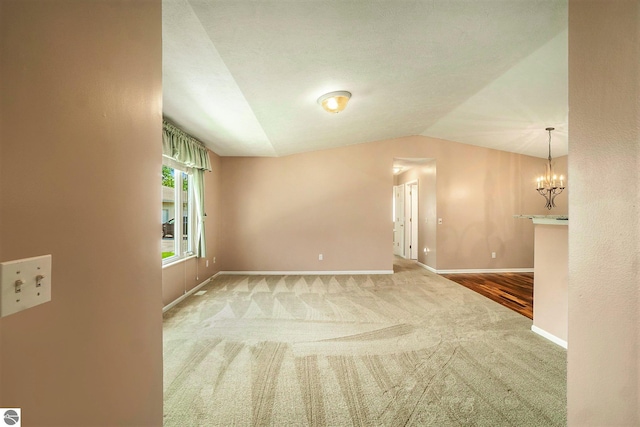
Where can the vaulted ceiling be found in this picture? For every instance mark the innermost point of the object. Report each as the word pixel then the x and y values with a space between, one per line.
pixel 244 76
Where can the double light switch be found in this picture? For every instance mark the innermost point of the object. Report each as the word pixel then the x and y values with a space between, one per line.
pixel 24 283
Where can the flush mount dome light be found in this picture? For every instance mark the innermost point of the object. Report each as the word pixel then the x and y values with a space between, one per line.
pixel 334 102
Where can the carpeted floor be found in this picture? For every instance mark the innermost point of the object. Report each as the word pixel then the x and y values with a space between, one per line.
pixel 410 348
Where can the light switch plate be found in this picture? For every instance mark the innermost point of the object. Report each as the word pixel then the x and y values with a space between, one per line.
pixel 24 283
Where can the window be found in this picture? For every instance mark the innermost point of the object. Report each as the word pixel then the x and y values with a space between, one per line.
pixel 185 161
pixel 177 214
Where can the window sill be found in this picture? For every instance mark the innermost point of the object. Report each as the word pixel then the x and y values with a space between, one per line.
pixel 178 261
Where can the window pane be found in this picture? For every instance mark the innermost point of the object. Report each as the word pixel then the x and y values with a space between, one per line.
pixel 168 212
pixel 186 237
pixel 177 214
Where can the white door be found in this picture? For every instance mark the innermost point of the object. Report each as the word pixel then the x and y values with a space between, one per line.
pixel 398 220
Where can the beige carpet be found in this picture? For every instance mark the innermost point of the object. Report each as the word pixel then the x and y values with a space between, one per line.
pixel 410 348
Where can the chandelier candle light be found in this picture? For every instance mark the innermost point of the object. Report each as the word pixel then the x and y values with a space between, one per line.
pixel 549 185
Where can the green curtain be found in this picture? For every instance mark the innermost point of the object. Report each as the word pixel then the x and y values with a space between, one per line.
pixel 198 186
pixel 184 148
pixel 190 153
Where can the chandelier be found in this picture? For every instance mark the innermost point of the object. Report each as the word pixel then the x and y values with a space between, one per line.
pixel 549 185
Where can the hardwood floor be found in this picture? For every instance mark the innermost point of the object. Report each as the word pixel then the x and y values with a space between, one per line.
pixel 513 290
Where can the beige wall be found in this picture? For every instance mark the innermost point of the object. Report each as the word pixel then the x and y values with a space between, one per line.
pixel 179 278
pixel 550 293
pixel 80 120
pixel 427 233
pixel 2 79
pixel 604 161
pixel 280 213
pixel 479 191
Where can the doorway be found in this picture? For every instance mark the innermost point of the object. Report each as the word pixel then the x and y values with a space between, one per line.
pixel 414 209
pixel 405 220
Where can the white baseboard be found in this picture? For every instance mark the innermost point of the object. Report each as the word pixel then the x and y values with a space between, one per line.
pixel 562 343
pixel 306 273
pixel 426 267
pixel 476 270
pixel 486 270
pixel 186 294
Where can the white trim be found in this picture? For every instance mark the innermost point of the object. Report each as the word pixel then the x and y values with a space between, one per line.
pixel 415 219
pixel 562 343
pixel 546 219
pixel 426 267
pixel 550 221
pixel 305 273
pixel 487 270
pixel 186 294
pixel 178 260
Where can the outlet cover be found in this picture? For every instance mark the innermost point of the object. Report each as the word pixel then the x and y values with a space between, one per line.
pixel 24 283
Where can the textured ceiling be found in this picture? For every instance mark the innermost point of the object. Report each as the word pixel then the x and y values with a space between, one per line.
pixel 244 76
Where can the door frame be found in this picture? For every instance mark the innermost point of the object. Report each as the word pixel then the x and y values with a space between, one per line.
pixel 411 212
pixel 399 223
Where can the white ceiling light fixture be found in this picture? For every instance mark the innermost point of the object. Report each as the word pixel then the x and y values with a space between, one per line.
pixel 334 102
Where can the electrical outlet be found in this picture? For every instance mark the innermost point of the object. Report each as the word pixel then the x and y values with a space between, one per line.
pixel 206 264
pixel 24 283
pixel 439 220
pixel 320 257
pixel 493 254
pixel 214 260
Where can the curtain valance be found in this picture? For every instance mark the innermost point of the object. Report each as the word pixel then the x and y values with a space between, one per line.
pixel 184 148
